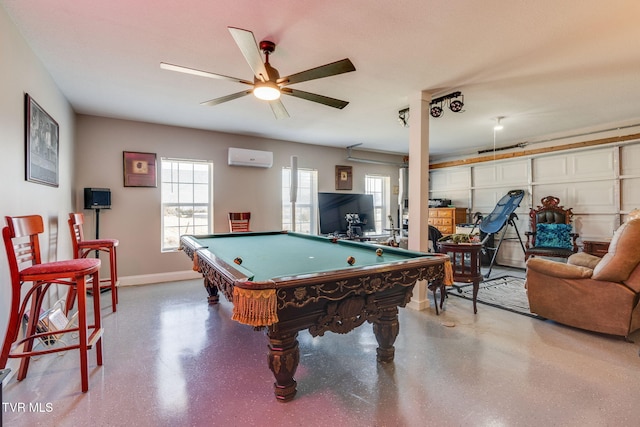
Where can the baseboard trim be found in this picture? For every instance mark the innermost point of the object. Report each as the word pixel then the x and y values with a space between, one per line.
pixel 147 279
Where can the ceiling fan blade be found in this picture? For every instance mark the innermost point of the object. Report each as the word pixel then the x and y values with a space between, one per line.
pixel 278 109
pixel 331 102
pixel 338 67
pixel 195 72
pixel 249 48
pixel 222 99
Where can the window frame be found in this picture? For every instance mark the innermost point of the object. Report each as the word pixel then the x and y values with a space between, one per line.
pixel 193 205
pixel 311 206
pixel 385 207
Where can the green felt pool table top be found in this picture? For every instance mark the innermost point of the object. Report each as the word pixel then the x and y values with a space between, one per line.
pixel 271 255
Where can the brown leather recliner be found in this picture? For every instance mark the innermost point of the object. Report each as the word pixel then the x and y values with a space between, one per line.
pixel 587 292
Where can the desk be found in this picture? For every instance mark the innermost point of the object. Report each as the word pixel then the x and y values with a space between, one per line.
pixel 465 260
pixel 288 282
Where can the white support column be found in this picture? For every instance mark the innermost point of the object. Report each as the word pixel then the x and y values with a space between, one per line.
pixel 419 186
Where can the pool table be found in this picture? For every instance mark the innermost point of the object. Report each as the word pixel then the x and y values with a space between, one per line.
pixel 287 282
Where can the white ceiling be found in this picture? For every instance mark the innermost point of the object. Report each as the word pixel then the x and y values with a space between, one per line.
pixel 549 67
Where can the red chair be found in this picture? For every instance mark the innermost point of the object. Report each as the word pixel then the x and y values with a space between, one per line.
pixel 82 248
pixel 25 266
pixel 239 221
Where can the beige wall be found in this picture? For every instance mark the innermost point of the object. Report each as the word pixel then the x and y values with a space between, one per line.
pixel 21 72
pixel 135 215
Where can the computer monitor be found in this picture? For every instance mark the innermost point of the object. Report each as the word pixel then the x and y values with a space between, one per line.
pixel 334 207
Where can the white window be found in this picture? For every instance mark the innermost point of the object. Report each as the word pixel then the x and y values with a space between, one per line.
pixel 306 220
pixel 379 187
pixel 187 199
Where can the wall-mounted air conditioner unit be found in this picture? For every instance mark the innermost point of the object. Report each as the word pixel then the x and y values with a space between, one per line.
pixel 255 158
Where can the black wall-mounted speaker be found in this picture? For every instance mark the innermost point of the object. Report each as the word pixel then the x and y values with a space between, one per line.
pixel 97 198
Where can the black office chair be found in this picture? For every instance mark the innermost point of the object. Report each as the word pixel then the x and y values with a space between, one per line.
pixel 434 237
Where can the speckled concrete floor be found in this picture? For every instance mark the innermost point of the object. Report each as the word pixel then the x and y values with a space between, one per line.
pixel 173 360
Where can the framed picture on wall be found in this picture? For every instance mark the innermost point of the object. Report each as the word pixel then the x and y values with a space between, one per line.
pixel 139 169
pixel 41 145
pixel 344 178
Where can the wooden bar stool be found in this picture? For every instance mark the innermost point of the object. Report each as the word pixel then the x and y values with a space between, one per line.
pixel 82 248
pixel 239 221
pixel 23 254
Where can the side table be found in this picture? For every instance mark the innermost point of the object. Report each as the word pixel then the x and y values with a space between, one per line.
pixel 465 261
pixel 595 248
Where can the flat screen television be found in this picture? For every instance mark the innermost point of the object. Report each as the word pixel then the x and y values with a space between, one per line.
pixel 333 208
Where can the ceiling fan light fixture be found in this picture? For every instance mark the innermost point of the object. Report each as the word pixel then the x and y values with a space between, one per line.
pixel 266 91
pixel 267 84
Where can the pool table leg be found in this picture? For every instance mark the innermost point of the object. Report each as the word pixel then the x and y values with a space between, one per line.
pixel 284 356
pixel 212 290
pixel 386 329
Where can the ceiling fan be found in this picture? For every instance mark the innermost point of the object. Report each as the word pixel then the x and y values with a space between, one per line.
pixel 267 83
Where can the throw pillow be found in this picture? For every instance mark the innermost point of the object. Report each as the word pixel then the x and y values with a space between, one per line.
pixel 553 236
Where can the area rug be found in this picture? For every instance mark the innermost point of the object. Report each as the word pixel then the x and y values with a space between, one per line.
pixel 505 292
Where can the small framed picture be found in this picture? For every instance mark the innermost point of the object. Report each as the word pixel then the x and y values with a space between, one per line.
pixel 139 169
pixel 344 178
pixel 41 145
